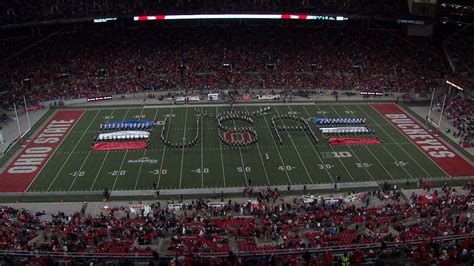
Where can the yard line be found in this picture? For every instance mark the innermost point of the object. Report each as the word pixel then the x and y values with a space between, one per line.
pixel 105 158
pixel 332 148
pixel 222 157
pixel 144 154
pixel 373 155
pixel 388 172
pixel 182 152
pixel 261 158
pixel 125 155
pixel 100 169
pixel 164 147
pixel 202 150
pixel 80 169
pixel 73 149
pixel 242 161
pixel 398 144
pixel 120 169
pixel 278 150
pixel 87 156
pixel 314 149
pixel 355 154
pixel 296 149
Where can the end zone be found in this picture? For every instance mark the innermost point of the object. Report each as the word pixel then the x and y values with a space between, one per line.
pixel 435 149
pixel 19 174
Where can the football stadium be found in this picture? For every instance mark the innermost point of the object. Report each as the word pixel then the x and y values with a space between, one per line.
pixel 314 132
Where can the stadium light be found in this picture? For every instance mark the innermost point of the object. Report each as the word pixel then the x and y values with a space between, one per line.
pixel 454 85
pixel 103 20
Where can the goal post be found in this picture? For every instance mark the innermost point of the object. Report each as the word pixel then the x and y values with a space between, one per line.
pixel 429 119
pixel 2 141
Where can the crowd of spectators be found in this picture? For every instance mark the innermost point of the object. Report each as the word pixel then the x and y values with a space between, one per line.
pixel 460 49
pixel 459 110
pixel 101 62
pixel 268 224
pixel 21 11
pixel 460 104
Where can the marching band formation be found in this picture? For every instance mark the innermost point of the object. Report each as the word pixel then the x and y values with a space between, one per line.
pixel 339 121
pixel 128 131
pixel 123 135
pixel 240 143
pixel 181 145
pixel 344 125
pixel 304 126
pixel 344 130
pixel 240 116
pixel 261 111
pixel 134 130
pixel 127 125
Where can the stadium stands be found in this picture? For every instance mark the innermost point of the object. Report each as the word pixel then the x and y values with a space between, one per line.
pixel 460 50
pixel 459 105
pixel 267 230
pixel 460 112
pixel 378 232
pixel 93 63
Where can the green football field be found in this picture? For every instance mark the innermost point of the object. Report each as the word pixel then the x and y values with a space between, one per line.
pixel 210 164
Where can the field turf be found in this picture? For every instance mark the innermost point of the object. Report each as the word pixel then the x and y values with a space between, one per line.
pixel 209 164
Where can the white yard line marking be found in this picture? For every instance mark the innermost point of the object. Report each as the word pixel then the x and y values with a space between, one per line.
pixel 57 148
pixel 164 147
pixel 182 152
pixel 378 161
pixel 100 169
pixel 373 155
pixel 222 157
pixel 261 158
pixel 202 150
pixel 243 164
pixel 352 150
pixel 126 151
pixel 297 152
pixel 278 150
pixel 87 156
pixel 332 148
pixel 314 149
pixel 416 162
pixel 105 158
pixel 120 170
pixel 77 173
pixel 144 154
pixel 125 155
pixel 69 156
